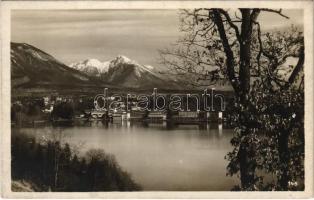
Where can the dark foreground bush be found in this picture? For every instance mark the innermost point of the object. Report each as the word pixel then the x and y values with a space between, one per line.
pixel 52 166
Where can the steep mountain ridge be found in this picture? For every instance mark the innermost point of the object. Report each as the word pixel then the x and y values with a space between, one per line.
pixel 32 67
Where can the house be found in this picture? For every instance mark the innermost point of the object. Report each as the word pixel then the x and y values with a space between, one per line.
pixel 137 115
pixel 48 108
pixel 186 117
pixel 46 100
pixel 58 99
pixel 215 116
pixel 156 116
pixel 187 114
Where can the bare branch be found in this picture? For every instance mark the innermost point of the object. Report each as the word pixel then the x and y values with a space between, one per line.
pixel 297 68
pixel 235 27
pixel 279 12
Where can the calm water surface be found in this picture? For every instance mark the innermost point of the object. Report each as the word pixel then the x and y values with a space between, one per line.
pixel 185 157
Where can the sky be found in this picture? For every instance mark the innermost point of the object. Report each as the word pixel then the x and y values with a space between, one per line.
pixel 75 35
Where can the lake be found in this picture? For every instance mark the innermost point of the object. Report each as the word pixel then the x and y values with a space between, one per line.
pixel 158 157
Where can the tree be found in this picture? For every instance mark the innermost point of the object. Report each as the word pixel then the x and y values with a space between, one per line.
pixel 52 165
pixel 63 110
pixel 225 45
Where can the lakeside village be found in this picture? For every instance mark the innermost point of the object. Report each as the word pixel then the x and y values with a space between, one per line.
pixel 201 108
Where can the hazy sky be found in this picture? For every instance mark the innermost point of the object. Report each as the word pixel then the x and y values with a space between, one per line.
pixel 75 35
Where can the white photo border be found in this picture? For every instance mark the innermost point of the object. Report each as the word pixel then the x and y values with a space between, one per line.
pixel 5 94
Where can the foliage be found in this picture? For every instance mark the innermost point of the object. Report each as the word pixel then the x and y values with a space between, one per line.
pixel 276 140
pixel 229 46
pixel 52 166
pixel 63 110
pixel 28 111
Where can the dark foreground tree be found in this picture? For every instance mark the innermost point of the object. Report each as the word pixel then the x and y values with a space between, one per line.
pixel 228 45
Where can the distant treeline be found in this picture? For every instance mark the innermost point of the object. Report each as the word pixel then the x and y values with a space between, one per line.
pixel 51 166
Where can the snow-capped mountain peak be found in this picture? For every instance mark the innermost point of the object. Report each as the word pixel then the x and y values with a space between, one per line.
pixel 120 59
pixel 92 67
pixel 92 62
pixel 123 58
pixel 149 67
pixel 124 72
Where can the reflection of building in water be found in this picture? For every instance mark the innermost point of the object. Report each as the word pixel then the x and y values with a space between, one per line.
pixel 117 116
pixel 220 129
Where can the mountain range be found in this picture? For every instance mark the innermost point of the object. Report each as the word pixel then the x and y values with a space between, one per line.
pixel 34 68
pixel 91 67
pixel 126 73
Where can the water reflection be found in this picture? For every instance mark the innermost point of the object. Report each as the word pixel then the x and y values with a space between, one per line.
pixel 220 129
pixel 161 156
